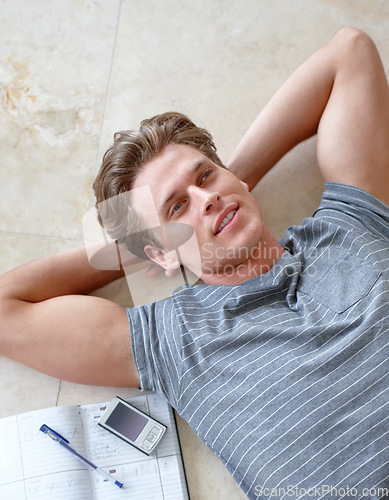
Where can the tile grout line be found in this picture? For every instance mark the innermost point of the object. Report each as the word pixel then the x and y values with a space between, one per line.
pixel 109 79
pixel 58 392
pixel 97 158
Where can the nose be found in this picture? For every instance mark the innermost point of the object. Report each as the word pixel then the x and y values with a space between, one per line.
pixel 206 199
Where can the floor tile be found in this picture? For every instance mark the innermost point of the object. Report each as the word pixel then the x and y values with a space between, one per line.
pixel 23 389
pixel 54 71
pixel 75 394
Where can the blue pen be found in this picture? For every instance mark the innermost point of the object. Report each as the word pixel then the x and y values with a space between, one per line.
pixel 64 442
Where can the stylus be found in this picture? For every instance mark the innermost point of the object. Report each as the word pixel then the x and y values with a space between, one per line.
pixel 65 443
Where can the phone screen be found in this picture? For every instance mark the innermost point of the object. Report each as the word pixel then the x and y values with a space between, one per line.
pixel 127 422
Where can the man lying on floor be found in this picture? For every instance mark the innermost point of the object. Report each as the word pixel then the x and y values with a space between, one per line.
pixel 279 360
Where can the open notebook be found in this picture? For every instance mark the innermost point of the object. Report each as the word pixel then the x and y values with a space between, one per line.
pixel 32 466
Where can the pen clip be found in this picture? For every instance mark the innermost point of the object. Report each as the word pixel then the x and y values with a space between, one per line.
pixel 51 433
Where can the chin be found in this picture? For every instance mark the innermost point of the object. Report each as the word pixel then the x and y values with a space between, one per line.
pixel 253 236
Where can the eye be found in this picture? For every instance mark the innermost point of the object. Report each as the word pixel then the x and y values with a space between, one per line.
pixel 205 175
pixel 176 208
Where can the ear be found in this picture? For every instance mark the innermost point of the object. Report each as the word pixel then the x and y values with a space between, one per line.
pixel 168 260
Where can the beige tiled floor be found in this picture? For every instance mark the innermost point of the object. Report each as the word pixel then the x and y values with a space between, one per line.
pixel 72 73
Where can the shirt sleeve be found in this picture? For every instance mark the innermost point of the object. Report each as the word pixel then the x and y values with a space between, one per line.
pixel 156 348
pixel 354 207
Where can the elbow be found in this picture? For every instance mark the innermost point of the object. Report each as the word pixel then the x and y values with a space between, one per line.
pixel 355 51
pixel 354 40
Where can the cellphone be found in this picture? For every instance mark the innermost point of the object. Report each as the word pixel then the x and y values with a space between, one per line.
pixel 132 425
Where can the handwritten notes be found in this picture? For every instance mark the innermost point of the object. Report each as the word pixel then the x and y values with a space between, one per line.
pixel 34 467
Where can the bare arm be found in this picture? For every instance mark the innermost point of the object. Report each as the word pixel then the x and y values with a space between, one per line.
pixel 49 324
pixel 340 93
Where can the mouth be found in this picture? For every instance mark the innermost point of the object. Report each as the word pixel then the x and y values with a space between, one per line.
pixel 225 220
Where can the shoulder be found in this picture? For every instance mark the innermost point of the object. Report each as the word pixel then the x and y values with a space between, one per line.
pixel 352 207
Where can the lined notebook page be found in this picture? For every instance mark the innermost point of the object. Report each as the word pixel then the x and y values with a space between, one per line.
pixel 158 476
pixel 33 467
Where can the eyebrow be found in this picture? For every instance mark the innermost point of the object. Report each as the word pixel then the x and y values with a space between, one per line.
pixel 193 170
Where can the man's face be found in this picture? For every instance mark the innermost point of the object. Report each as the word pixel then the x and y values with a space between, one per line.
pixel 188 188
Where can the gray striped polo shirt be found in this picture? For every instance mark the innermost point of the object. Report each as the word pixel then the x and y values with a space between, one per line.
pixel 285 377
